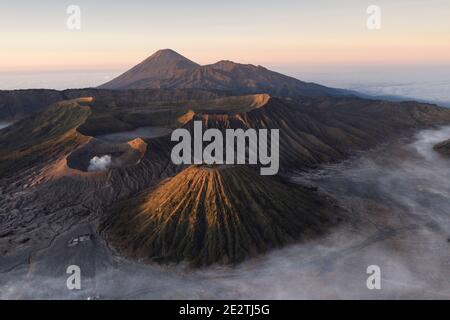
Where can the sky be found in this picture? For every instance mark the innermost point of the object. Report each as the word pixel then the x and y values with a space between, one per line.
pixel 116 35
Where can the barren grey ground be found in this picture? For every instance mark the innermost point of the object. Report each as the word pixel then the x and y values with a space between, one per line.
pixel 399 198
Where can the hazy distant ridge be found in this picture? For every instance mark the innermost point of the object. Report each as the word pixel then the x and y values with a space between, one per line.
pixel 166 69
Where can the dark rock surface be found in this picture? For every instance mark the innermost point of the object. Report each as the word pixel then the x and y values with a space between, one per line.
pixel 443 148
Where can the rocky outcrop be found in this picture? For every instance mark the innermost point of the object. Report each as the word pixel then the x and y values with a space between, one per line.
pixel 443 148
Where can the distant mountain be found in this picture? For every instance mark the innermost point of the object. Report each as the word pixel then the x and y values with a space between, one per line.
pixel 151 73
pixel 167 69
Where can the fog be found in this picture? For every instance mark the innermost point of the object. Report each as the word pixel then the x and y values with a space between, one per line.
pixel 424 83
pixel 59 80
pixel 397 197
pixel 99 163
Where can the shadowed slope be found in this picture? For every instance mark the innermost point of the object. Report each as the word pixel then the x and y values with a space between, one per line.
pixel 216 214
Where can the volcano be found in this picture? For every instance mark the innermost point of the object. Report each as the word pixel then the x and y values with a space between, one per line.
pixel 167 69
pixel 214 214
pixel 162 65
pixel 150 208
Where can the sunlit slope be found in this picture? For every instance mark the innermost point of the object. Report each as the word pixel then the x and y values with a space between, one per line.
pixel 42 137
pixel 216 214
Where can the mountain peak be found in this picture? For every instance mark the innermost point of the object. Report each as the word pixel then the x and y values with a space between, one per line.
pixel 162 65
pixel 225 65
pixel 167 50
pixel 168 54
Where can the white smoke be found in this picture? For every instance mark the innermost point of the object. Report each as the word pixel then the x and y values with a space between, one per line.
pixel 99 163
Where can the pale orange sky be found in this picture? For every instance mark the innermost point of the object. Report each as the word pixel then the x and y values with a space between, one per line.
pixel 117 35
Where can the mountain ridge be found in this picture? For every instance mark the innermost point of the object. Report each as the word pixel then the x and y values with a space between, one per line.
pixel 167 69
pixel 163 64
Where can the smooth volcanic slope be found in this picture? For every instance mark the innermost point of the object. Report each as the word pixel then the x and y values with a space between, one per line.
pixel 167 69
pixel 222 214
